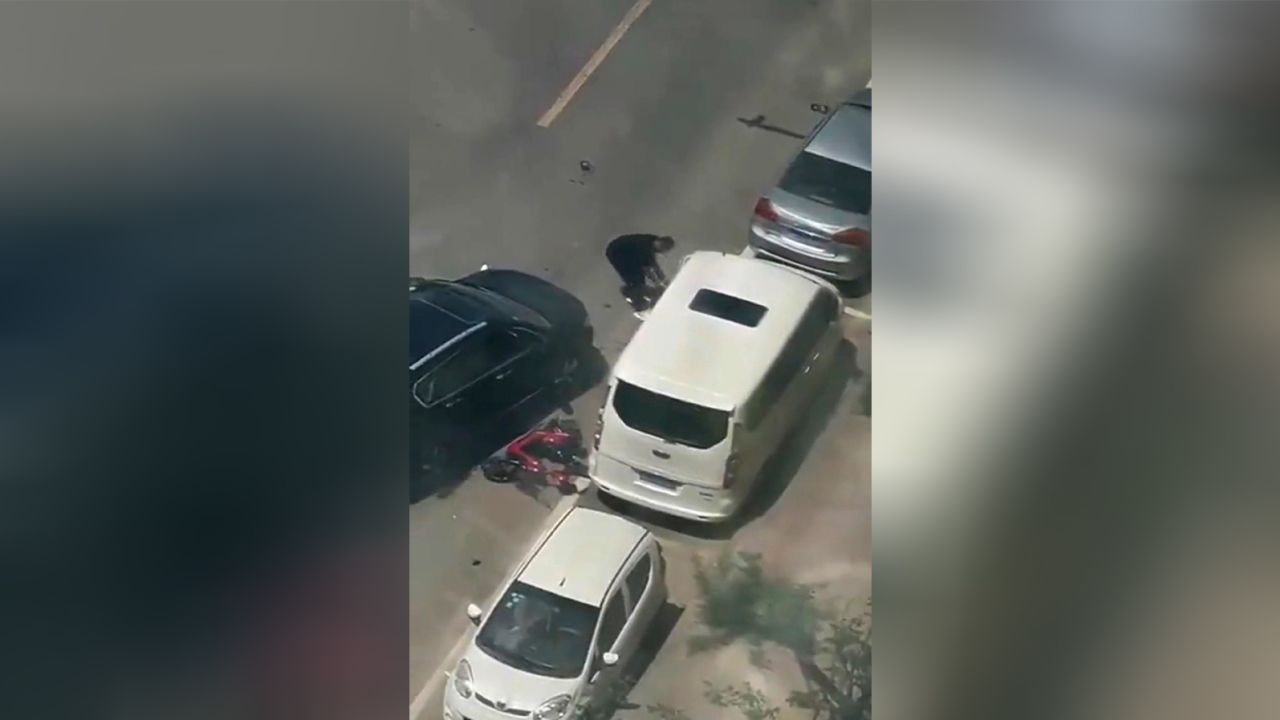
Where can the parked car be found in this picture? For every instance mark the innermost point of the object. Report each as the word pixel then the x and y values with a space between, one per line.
pixel 479 349
pixel 711 384
pixel 819 215
pixel 578 606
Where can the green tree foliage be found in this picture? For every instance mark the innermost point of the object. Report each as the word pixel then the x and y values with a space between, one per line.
pixel 739 603
pixel 666 712
pixel 748 700
pixel 831 646
pixel 843 689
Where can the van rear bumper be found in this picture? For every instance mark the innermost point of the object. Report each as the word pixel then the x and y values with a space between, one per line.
pixel 692 502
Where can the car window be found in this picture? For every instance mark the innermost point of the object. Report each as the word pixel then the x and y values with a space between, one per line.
pixel 638 578
pixel 502 304
pixel 505 344
pixel 462 368
pixel 615 616
pixel 829 182
pixel 429 328
pixel 422 391
pixel 672 420
pixel 539 632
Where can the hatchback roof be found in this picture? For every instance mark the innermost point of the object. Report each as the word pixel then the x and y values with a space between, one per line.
pixel 696 356
pixel 583 555
pixel 845 137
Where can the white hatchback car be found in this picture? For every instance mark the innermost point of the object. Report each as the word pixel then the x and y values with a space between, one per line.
pixel 577 606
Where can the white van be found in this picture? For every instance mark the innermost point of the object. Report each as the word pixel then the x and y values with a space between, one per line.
pixel 712 383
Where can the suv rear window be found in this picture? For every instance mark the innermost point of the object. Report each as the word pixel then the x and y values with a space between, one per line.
pixel 829 182
pixel 673 420
pixel 727 307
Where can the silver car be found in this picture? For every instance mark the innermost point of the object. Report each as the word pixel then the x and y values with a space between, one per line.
pixel 819 215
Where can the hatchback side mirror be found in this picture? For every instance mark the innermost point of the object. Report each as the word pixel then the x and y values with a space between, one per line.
pixel 474 613
pixel 820 108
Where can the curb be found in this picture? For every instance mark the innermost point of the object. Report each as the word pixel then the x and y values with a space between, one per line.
pixel 419 703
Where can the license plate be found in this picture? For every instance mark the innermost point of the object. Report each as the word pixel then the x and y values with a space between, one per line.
pixel 658 482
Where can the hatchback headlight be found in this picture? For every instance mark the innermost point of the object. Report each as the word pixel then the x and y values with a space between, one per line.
pixel 554 709
pixel 462 679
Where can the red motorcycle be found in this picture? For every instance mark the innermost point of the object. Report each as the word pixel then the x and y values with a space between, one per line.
pixel 532 458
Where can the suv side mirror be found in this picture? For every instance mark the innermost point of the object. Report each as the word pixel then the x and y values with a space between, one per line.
pixel 609 659
pixel 474 613
pixel 820 108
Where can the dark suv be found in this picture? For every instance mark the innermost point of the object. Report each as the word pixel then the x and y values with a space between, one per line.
pixel 480 349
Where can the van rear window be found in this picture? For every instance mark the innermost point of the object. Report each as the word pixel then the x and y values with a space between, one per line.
pixel 727 307
pixel 673 420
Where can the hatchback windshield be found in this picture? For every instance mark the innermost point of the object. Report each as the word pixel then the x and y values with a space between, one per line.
pixel 829 182
pixel 668 418
pixel 539 632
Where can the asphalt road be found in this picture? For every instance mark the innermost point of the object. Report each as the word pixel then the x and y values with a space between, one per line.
pixel 662 123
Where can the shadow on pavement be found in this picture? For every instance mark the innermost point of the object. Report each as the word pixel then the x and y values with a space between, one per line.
pixel 654 640
pixel 778 471
pixel 783 466
pixel 473 445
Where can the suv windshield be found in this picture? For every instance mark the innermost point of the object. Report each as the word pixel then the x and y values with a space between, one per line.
pixel 829 182
pixel 668 418
pixel 539 632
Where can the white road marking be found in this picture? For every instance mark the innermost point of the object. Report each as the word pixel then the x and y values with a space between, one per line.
pixel 594 62
pixel 563 506
pixel 854 312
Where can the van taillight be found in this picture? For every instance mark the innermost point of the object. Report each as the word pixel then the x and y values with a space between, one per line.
pixel 731 465
pixel 730 470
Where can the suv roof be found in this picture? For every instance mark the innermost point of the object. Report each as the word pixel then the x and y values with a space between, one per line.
pixel 582 556
pixel 694 355
pixel 845 137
